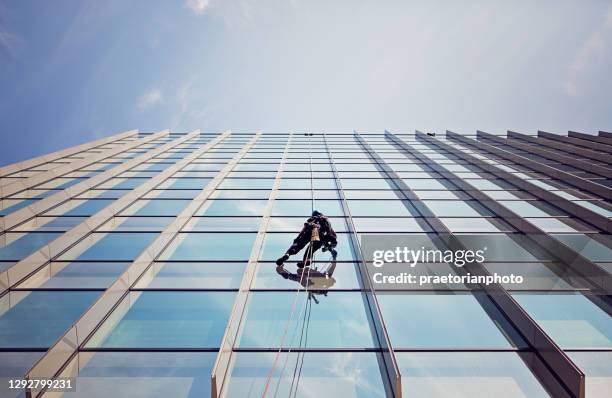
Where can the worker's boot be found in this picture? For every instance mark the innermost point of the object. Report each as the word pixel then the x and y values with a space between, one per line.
pixel 334 253
pixel 301 264
pixel 282 259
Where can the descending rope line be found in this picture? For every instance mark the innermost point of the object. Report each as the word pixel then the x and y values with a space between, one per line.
pixel 293 336
pixel 293 306
pixel 310 258
pixel 303 354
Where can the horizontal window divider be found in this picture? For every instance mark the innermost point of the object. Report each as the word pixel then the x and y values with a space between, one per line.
pixel 24 349
pixel 304 291
pixel 451 349
pixel 179 289
pixel 302 349
pixel 148 349
pixel 58 289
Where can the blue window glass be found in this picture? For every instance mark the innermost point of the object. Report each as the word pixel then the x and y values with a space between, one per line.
pixel 232 208
pixel 122 183
pixel 500 247
pixel 165 207
pixel 533 208
pixel 40 317
pixel 367 183
pixel 322 374
pixel 454 208
pixel 246 183
pixel 185 183
pixel 51 224
pixel 570 319
pixel 394 208
pixel 16 246
pixel 77 275
pixel 305 183
pixel 89 207
pixel 109 247
pixel 136 224
pixel 339 321
pixel 439 321
pixel 145 374
pixel 467 374
pixel 168 320
pixel 104 194
pixel 193 276
pixel 80 207
pixel 344 277
pixel 16 206
pixel 13 365
pixel 238 224
pixel 428 183
pixel 304 207
pixel 244 194
pixel 589 247
pixel 209 247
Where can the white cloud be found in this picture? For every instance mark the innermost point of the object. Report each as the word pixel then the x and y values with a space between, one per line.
pixel 149 98
pixel 197 6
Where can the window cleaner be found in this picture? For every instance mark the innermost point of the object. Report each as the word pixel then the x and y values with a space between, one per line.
pixel 319 233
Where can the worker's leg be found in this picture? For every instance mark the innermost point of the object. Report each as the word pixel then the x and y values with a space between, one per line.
pixel 293 249
pixel 309 253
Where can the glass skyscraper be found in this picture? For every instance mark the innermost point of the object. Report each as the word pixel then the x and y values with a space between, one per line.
pixel 143 265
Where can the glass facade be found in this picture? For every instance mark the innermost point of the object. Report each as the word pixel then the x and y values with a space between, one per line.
pixel 155 267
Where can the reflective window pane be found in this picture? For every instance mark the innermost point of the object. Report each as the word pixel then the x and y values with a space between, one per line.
pixel 439 321
pixel 322 374
pixel 467 375
pixel 144 374
pixel 153 319
pixel 38 318
pixel 16 246
pixel 232 208
pixel 570 319
pixel 109 247
pixel 192 276
pixel 339 321
pixel 209 247
pixel 597 366
pixel 165 207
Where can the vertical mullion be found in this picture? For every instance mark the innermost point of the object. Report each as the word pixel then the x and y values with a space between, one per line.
pixel 393 375
pixel 223 365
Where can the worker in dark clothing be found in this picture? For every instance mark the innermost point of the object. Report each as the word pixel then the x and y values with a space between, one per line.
pixel 319 233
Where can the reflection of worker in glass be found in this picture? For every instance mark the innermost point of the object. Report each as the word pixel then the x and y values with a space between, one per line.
pixel 313 280
pixel 318 232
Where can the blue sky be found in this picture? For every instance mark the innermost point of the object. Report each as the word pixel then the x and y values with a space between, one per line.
pixel 72 71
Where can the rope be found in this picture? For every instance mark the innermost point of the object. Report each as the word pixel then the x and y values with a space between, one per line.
pixel 310 258
pixel 299 374
pixel 280 347
pixel 293 337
